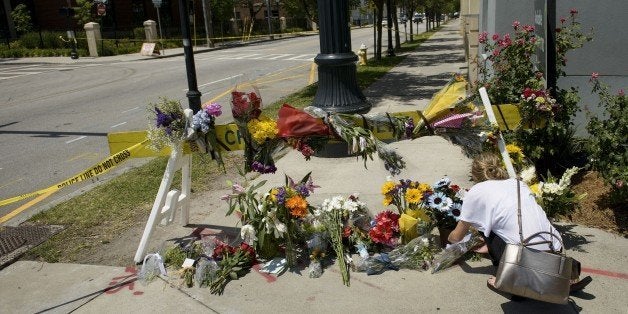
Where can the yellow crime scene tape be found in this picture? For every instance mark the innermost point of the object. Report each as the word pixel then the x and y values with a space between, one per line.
pixel 98 169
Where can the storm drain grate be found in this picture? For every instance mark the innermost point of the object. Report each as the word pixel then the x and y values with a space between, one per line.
pixel 15 241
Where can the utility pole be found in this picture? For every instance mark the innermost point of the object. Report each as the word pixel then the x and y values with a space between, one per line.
pixel 391 50
pixel 207 16
pixel 270 26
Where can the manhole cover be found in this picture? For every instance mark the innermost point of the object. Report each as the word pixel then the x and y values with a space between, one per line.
pixel 10 244
pixel 15 241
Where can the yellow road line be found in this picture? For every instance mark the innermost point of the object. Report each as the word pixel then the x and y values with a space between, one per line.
pixel 20 209
pixel 312 71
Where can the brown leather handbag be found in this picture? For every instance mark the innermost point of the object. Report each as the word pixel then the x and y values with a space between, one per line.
pixel 527 272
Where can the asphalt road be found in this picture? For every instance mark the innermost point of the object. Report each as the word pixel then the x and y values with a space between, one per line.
pixel 54 118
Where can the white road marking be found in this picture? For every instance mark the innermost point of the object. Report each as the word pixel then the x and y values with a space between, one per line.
pixel 218 81
pixel 277 56
pixel 135 108
pixel 8 77
pixel 117 125
pixel 76 139
pixel 300 57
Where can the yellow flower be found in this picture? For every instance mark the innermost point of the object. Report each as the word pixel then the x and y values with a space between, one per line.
pixel 424 187
pixel 262 129
pixel 535 189
pixel 414 196
pixel 540 100
pixel 387 200
pixel 273 195
pixel 515 152
pixel 388 187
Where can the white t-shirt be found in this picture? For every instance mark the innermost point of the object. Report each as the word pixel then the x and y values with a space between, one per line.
pixel 491 206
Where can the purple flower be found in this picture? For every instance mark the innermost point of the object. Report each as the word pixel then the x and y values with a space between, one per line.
pixel 409 127
pixel 214 109
pixel 163 120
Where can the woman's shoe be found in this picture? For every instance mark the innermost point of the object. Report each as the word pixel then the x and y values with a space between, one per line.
pixel 580 285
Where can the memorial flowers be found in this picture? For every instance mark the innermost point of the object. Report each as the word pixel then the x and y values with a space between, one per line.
pixel 203 130
pixel 166 124
pixel 245 107
pixel 409 199
pixel 272 221
pixel 233 262
pixel 336 214
pixel 445 203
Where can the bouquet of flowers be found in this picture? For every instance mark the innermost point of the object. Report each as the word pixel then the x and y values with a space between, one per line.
pixel 385 229
pixel 273 219
pixel 444 203
pixel 203 132
pixel 167 124
pixel 245 107
pixel 233 262
pixel 409 197
pixel 338 216
pixel 537 105
pixel 555 195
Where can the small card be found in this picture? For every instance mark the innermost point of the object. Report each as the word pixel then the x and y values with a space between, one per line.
pixel 275 266
pixel 188 263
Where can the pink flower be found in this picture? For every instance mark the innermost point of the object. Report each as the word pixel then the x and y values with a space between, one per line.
pixel 594 76
pixel 528 28
pixel 521 41
pixel 214 109
pixel 562 20
pixel 557 30
pixel 619 183
pixel 573 12
pixel 515 25
pixel 483 37
pixel 621 92
pixel 495 37
pixel 496 52
pixel 533 40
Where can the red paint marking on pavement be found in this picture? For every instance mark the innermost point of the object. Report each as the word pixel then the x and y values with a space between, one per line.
pixel 118 284
pixel 269 278
pixel 604 273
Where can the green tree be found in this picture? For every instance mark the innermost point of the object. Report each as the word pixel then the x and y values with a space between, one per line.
pixel 21 17
pixel 83 12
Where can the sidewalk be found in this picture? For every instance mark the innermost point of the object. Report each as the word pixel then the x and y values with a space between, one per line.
pixel 29 287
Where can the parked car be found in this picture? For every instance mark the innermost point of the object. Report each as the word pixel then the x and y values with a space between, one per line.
pixel 417 18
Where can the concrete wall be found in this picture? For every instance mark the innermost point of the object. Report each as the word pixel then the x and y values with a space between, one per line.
pixel 605 54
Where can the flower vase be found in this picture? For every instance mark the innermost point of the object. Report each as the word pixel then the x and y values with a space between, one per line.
pixel 291 254
pixel 444 232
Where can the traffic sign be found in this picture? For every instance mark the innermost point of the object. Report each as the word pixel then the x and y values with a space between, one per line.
pixel 157 3
pixel 101 9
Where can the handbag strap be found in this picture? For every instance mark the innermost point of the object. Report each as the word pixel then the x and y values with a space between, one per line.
pixel 519 210
pixel 526 241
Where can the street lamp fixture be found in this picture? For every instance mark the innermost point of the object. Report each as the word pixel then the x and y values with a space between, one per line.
pixel 194 96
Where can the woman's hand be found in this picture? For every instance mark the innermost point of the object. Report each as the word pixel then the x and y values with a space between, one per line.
pixel 459 232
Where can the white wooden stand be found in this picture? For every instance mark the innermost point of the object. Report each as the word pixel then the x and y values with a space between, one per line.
pixel 500 139
pixel 168 201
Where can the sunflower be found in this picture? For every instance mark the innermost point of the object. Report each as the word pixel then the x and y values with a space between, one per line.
pixel 414 196
pixel 387 200
pixel 388 187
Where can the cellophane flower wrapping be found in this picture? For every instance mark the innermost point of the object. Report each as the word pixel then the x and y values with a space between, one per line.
pixel 167 124
pixel 454 252
pixel 246 105
pixel 204 131
pixel 152 267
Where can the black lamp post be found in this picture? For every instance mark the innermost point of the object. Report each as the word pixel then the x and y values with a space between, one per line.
pixel 338 89
pixel 391 50
pixel 194 96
